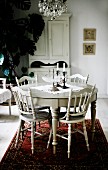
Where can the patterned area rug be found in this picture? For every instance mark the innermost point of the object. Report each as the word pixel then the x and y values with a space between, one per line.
pixel 97 158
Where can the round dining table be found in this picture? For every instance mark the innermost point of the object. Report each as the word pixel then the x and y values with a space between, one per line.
pixel 57 98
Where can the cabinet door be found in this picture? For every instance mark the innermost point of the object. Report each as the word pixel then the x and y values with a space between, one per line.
pixel 58 40
pixel 41 45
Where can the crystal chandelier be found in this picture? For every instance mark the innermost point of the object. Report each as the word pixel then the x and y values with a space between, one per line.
pixel 52 8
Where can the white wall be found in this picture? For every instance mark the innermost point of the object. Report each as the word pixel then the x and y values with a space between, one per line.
pixel 87 14
pixel 90 14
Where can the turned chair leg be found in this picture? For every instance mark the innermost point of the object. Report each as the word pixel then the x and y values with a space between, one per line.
pixel 49 138
pixel 18 134
pixel 85 135
pixel 32 137
pixel 69 139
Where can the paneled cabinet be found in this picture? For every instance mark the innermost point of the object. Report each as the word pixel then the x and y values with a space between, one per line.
pixel 58 39
pixel 53 45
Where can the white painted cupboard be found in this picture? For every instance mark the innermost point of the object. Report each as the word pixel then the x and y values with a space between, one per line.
pixel 53 45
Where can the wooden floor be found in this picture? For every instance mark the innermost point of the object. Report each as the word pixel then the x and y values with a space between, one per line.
pixel 9 124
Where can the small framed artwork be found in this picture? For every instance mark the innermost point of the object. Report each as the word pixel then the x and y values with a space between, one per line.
pixel 89 34
pixel 89 48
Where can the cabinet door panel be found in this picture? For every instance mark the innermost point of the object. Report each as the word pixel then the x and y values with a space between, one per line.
pixel 57 39
pixel 42 45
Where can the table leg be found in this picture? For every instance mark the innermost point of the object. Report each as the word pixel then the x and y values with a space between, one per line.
pixel 93 117
pixel 54 128
pixel 9 102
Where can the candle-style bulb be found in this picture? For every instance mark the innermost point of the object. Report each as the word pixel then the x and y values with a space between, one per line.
pixel 57 66
pixel 63 67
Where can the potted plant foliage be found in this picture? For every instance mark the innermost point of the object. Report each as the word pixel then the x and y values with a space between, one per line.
pixel 14 39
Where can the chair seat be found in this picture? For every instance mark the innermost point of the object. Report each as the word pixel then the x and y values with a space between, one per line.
pixel 42 107
pixel 61 114
pixel 40 116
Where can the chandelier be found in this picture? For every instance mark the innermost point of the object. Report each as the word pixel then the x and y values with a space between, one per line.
pixel 52 8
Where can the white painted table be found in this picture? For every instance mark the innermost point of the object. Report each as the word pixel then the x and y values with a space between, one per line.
pixel 5 95
pixel 55 99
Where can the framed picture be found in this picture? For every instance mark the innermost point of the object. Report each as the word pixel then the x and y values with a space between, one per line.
pixel 89 34
pixel 89 48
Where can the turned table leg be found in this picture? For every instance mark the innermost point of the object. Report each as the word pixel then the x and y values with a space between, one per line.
pixel 54 128
pixel 93 117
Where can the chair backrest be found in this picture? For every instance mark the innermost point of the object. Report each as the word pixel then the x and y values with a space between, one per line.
pixel 3 83
pixel 26 80
pixel 78 78
pixel 23 100
pixel 79 100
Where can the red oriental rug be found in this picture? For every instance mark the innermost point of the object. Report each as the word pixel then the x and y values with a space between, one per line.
pixel 96 159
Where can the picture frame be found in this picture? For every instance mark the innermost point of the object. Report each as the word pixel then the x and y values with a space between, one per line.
pixel 89 34
pixel 89 48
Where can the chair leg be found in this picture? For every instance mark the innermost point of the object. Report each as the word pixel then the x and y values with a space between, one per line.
pixel 18 134
pixel 39 124
pixel 22 128
pixel 85 135
pixel 69 139
pixel 49 138
pixel 9 101
pixel 50 124
pixel 58 113
pixel 50 121
pixel 32 137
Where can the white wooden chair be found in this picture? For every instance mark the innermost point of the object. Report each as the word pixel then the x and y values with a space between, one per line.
pixel 26 80
pixel 28 113
pixel 78 78
pixel 79 101
pixel 31 80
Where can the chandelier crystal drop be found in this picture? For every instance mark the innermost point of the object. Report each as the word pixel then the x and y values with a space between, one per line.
pixel 52 8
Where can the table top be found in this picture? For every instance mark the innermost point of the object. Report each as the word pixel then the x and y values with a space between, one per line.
pixel 46 91
pixel 44 96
